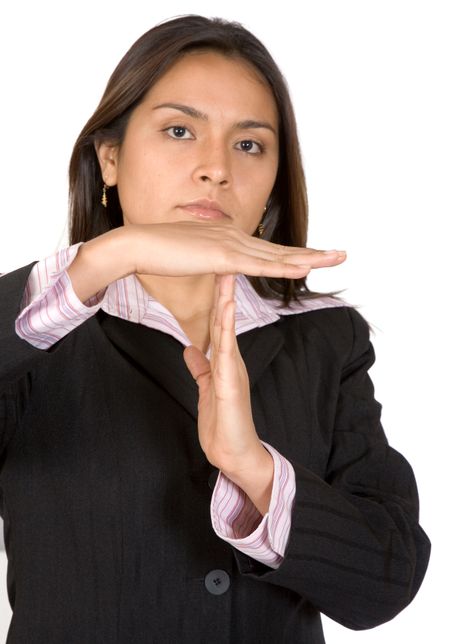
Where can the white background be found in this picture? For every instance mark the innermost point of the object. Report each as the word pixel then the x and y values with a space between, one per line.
pixel 369 82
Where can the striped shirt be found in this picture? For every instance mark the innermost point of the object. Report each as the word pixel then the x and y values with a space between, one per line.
pixel 50 309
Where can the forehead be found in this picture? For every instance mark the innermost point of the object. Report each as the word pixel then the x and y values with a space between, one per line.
pixel 216 82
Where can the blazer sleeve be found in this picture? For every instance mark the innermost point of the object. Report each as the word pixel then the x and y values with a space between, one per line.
pixel 356 550
pixel 17 357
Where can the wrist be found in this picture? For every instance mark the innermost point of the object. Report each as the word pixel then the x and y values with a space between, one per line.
pixel 246 469
pixel 127 248
pixel 133 238
pixel 111 254
pixel 99 262
pixel 255 478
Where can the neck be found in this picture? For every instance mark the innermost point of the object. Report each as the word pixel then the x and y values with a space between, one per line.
pixel 187 298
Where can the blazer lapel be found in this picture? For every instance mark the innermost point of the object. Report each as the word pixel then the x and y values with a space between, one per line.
pixel 160 355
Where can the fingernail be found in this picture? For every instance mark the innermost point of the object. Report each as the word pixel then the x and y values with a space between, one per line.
pixel 334 252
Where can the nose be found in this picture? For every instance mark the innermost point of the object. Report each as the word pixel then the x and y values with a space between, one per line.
pixel 213 165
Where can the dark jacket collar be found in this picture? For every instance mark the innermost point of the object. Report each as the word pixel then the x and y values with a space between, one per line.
pixel 160 355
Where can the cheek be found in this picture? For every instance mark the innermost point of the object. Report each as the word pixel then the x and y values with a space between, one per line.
pixel 148 193
pixel 255 187
pixel 134 174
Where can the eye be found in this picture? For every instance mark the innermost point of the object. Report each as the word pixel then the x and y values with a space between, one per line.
pixel 177 129
pixel 249 144
pixel 252 144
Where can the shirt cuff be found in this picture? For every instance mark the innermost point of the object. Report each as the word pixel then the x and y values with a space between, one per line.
pixel 236 520
pixel 50 308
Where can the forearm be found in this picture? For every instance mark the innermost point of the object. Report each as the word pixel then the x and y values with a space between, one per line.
pixel 101 261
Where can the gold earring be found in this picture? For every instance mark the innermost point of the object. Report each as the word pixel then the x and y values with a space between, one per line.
pixel 260 226
pixel 104 199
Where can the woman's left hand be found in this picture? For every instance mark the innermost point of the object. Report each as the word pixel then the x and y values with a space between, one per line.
pixel 226 430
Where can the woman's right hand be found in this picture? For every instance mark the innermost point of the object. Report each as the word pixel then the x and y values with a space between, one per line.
pixel 194 248
pixel 186 248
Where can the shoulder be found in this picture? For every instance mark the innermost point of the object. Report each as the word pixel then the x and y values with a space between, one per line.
pixel 327 324
pixel 324 310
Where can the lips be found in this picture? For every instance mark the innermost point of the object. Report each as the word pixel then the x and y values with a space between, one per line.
pixel 205 208
pixel 205 213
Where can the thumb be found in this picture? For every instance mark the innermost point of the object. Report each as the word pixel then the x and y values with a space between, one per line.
pixel 196 361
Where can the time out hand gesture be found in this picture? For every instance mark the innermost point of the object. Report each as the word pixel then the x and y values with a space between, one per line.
pixel 226 431
pixel 198 248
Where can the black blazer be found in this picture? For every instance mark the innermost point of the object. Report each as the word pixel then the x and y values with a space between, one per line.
pixel 105 491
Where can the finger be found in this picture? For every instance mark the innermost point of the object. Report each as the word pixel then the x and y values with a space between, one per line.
pixel 302 256
pixel 227 337
pixel 260 267
pixel 212 319
pixel 291 254
pixel 316 258
pixel 225 292
pixel 222 289
pixel 227 365
pixel 256 243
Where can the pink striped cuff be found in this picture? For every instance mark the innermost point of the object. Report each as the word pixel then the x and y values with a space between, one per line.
pixel 236 520
pixel 50 309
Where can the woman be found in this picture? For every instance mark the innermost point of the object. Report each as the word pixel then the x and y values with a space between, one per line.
pixel 191 449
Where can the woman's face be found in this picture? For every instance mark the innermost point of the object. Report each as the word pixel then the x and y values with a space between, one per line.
pixel 169 157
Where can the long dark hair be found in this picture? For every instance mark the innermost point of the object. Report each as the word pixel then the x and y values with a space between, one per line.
pixel 142 66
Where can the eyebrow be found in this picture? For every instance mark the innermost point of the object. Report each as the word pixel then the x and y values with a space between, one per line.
pixel 240 125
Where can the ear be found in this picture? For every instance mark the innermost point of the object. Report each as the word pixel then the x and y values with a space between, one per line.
pixel 108 155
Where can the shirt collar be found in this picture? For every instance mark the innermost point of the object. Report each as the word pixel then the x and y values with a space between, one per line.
pixel 128 299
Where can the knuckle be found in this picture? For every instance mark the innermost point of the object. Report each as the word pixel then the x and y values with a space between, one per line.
pixel 226 258
pixel 284 257
pixel 280 250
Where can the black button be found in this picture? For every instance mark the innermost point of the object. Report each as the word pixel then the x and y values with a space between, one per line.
pixel 213 478
pixel 217 582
